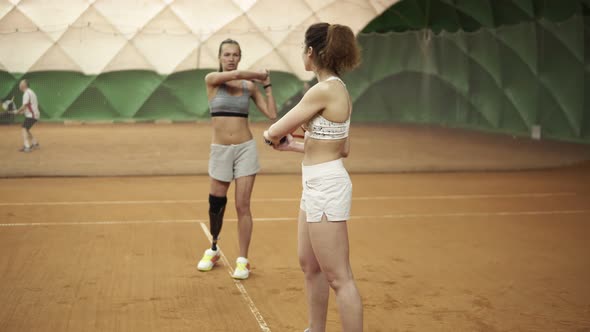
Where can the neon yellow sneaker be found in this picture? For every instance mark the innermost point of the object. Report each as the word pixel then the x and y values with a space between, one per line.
pixel 210 257
pixel 242 270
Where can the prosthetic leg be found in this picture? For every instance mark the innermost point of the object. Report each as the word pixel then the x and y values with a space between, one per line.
pixel 216 211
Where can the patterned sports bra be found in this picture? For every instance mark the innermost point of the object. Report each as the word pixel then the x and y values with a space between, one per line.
pixel 321 128
pixel 224 104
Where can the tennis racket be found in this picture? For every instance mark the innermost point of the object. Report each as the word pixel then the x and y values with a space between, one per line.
pixel 9 107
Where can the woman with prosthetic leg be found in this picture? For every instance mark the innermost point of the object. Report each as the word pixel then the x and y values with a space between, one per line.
pixel 233 155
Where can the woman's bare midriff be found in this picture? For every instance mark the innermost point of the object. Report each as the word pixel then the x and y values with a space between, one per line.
pixel 322 151
pixel 230 130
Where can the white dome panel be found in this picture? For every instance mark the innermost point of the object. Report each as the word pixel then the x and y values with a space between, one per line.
pixel 316 5
pixel 272 60
pixel 382 5
pixel 189 63
pixel 128 58
pixel 245 5
pixel 5 7
pixel 95 36
pixel 205 18
pixel 208 58
pixel 166 21
pixel 165 52
pixel 165 41
pixel 55 59
pixel 277 27
pixel 92 42
pixel 129 16
pixel 50 18
pixel 20 50
pixel 363 14
pixel 12 55
pixel 15 21
pixel 246 33
pixel 291 49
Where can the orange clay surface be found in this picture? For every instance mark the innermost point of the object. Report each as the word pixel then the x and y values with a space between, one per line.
pixel 174 149
pixel 494 251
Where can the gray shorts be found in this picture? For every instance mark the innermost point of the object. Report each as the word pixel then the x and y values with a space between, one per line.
pixel 228 162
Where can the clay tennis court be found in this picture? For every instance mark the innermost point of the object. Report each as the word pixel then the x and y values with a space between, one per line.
pixel 431 251
pixel 470 162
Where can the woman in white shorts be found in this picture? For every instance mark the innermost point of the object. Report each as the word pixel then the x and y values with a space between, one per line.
pixel 325 111
pixel 233 155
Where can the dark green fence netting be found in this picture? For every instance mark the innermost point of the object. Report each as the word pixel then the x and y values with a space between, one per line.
pixel 128 95
pixel 504 79
pixel 472 15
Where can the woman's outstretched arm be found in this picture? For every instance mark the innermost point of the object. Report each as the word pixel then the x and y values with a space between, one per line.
pixel 313 101
pixel 218 78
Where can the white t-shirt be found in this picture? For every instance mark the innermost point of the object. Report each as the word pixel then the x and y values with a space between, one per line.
pixel 30 100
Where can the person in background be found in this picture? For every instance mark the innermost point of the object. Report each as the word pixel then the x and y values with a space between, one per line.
pixel 30 109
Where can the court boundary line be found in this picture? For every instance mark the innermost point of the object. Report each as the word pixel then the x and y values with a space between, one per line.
pixel 296 199
pixel 251 305
pixel 279 219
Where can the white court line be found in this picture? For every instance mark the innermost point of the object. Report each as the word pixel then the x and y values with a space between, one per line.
pixel 296 199
pixel 106 222
pixel 253 309
pixel 478 214
pixel 387 216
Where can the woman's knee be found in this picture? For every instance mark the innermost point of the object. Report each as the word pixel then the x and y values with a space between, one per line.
pixel 309 265
pixel 243 208
pixel 218 188
pixel 337 280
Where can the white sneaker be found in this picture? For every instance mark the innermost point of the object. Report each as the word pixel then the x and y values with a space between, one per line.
pixel 242 270
pixel 210 257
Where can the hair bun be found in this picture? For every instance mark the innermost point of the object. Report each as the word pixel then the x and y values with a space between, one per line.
pixel 334 46
pixel 341 52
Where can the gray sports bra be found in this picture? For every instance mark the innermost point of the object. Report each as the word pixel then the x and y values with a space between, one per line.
pixel 224 104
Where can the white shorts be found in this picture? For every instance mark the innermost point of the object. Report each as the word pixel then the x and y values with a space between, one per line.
pixel 327 190
pixel 228 162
